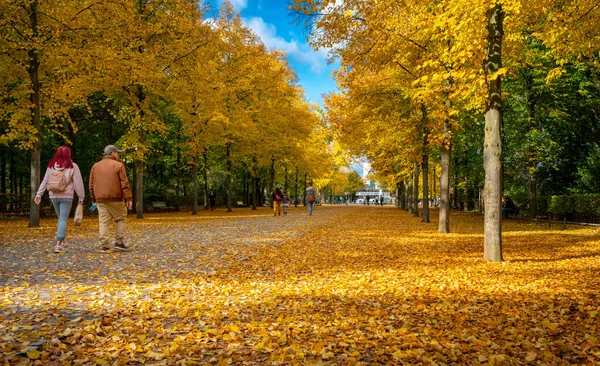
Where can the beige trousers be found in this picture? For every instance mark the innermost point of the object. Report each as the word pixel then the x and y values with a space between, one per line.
pixel 108 211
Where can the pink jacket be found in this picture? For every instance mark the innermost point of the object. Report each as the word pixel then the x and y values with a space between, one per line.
pixel 73 176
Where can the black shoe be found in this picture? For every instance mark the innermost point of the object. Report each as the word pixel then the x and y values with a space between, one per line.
pixel 123 247
pixel 104 249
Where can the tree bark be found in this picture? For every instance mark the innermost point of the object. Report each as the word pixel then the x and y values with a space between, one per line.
pixel 492 148
pixel 177 178
pixel 272 183
pixel 532 196
pixel 139 189
pixel 296 189
pixel 304 192
pixel 444 219
pixel 425 169
pixel 195 177
pixel 36 120
pixel 254 193
pixel 3 173
pixel 205 177
pixel 228 177
pixel 409 199
pixel 434 187
pixel 416 190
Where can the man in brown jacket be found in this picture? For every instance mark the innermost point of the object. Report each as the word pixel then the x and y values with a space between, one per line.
pixel 109 186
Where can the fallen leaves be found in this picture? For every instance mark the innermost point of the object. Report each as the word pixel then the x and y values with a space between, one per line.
pixel 327 289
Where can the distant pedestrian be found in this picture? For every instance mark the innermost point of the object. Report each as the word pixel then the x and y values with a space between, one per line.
pixel 277 198
pixel 286 202
pixel 381 200
pixel 508 207
pixel 62 178
pixel 212 199
pixel 311 197
pixel 109 186
pixel 368 198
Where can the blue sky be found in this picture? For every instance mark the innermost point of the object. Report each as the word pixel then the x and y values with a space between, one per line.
pixel 271 21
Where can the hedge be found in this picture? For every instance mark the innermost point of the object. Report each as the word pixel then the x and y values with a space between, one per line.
pixel 576 207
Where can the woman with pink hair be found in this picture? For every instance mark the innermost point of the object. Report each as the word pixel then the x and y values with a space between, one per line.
pixel 62 178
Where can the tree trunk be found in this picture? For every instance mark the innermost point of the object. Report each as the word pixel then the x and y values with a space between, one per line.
pixel 409 199
pixel 195 177
pixel 272 183
pixel 532 196
pixel 434 187
pixel 304 194
pixel 492 148
pixel 455 182
pixel 285 185
pixel 205 177
pixel 466 194
pixel 403 195
pixel 254 193
pixel 36 120
pixel 444 219
pixel 3 173
pixel 416 190
pixel 398 193
pixel 296 189
pixel 139 189
pixel 425 169
pixel 228 177
pixel 177 178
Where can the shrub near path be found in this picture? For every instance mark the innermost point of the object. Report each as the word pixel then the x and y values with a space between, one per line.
pixel 358 285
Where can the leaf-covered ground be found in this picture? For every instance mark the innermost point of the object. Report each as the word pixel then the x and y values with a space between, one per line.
pixel 349 285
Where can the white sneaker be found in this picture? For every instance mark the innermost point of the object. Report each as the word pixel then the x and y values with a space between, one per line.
pixel 59 247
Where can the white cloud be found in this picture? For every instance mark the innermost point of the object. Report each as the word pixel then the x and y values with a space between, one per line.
pixel 298 52
pixel 238 5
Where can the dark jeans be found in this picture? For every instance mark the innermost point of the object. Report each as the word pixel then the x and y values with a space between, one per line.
pixel 506 212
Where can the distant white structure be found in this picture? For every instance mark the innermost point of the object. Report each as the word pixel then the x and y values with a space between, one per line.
pixel 363 168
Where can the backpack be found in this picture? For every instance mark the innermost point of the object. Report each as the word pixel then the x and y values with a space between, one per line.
pixel 311 197
pixel 57 182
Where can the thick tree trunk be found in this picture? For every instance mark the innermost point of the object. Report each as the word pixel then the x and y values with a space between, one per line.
pixel 228 177
pixel 532 196
pixel 398 194
pixel 444 219
pixel 425 169
pixel 492 148
pixel 36 121
pixel 195 177
pixel 416 190
pixel 139 189
pixel 205 177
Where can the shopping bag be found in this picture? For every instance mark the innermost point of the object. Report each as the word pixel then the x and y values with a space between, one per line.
pixel 78 215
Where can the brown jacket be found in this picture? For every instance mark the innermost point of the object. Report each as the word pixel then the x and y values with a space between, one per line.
pixel 108 181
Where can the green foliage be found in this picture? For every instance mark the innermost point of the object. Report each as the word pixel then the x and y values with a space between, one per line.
pixel 354 182
pixel 588 173
pixel 577 206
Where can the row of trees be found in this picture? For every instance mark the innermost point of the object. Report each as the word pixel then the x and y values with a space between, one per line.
pixel 189 98
pixel 423 80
